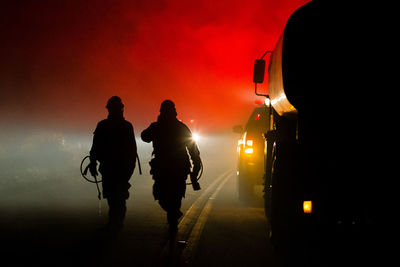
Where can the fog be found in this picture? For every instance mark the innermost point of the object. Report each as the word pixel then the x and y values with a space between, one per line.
pixel 39 171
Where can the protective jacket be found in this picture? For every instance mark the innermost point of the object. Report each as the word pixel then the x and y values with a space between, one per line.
pixel 172 140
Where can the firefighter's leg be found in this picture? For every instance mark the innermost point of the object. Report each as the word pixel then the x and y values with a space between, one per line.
pixel 117 211
pixel 173 212
pixel 116 199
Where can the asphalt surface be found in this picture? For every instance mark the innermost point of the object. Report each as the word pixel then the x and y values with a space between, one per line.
pixel 53 218
pixel 232 234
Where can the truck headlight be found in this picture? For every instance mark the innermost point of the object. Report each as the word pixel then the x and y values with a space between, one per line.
pixel 249 150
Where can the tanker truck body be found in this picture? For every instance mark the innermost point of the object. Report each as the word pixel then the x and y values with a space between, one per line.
pixel 320 162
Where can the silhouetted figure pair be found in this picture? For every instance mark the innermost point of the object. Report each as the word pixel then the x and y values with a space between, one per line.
pixel 114 146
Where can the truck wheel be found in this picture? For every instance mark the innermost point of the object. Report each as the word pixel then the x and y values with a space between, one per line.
pixel 281 197
pixel 268 208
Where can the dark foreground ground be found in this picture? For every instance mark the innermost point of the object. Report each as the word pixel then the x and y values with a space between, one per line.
pixel 51 218
pixel 232 234
pixel 218 230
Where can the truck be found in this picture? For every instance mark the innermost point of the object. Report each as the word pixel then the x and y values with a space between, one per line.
pixel 321 159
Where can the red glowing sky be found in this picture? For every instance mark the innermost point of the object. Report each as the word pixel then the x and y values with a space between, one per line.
pixel 62 60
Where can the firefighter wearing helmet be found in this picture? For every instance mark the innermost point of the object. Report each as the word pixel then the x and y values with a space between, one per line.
pixel 114 146
pixel 170 166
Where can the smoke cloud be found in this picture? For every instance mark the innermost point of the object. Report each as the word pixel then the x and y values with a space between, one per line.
pixel 62 60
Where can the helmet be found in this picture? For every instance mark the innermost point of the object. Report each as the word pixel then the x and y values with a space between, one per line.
pixel 114 102
pixel 168 108
pixel 167 105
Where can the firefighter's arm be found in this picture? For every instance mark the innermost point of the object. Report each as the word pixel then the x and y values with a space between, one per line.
pixel 94 151
pixel 134 148
pixel 195 156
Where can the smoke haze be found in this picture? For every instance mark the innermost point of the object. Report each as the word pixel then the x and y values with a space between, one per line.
pixel 62 60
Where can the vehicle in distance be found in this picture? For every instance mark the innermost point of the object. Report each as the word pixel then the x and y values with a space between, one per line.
pixel 251 151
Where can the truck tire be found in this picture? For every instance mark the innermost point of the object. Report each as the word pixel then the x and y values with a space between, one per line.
pixel 278 196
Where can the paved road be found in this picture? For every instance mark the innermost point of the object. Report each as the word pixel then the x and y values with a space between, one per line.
pixel 52 218
pixel 234 233
pixel 217 229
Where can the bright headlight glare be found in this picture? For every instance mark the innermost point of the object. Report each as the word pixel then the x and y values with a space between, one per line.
pixel 195 137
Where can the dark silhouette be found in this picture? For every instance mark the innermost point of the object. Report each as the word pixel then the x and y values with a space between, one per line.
pixel 172 140
pixel 114 146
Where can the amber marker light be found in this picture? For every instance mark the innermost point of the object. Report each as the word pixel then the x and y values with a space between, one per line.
pixel 307 206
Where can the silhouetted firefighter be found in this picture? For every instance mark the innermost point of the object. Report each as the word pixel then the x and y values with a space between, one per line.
pixel 114 146
pixel 172 140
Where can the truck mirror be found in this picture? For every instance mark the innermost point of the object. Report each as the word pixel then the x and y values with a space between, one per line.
pixel 238 129
pixel 259 70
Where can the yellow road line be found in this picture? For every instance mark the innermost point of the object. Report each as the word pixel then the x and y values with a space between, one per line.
pixel 199 226
pixel 189 217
